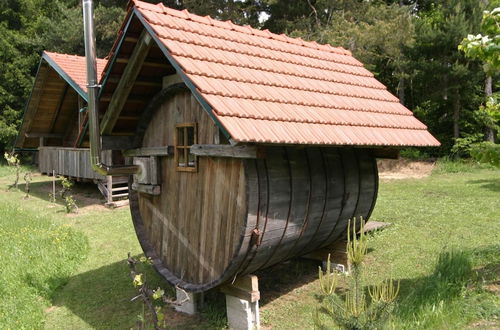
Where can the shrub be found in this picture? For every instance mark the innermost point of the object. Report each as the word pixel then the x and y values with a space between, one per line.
pixel 486 153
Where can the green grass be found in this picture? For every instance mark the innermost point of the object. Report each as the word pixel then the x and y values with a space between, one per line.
pixel 37 256
pixel 446 165
pixel 442 246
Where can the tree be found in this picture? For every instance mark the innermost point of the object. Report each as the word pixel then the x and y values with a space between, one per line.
pixel 445 86
pixel 486 48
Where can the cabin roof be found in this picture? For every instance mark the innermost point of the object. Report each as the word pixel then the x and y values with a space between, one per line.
pixel 53 103
pixel 269 88
pixel 73 69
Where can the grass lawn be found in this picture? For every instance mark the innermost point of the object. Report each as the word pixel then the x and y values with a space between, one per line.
pixel 458 212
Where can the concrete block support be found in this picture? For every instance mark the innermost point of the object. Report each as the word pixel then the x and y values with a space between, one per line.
pixel 242 303
pixel 191 305
pixel 242 314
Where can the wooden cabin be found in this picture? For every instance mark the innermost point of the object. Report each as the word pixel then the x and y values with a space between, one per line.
pixel 55 120
pixel 253 147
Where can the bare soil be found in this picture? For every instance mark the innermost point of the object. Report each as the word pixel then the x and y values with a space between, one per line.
pixel 393 169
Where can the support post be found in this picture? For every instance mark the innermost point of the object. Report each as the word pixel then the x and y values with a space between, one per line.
pixel 109 195
pixel 190 306
pixel 242 303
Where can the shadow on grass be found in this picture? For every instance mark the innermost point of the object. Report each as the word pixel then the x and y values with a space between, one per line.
pixel 453 289
pixel 453 275
pixel 490 184
pixel 102 297
pixel 284 277
pixel 85 193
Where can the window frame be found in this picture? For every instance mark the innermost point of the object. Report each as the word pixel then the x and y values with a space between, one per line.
pixel 184 147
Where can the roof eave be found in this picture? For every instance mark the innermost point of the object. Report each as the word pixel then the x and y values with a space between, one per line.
pixel 204 103
pixel 64 75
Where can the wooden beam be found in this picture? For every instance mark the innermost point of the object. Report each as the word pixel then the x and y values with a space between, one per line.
pixel 171 80
pixel 151 189
pixel 146 63
pixel 227 150
pixel 138 82
pixel 126 82
pixel 151 151
pixel 245 287
pixel 44 135
pixel 117 142
pixel 131 39
pixel 58 109
pixel 129 118
pixel 107 98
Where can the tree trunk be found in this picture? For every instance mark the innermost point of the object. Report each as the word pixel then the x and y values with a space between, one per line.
pixel 488 91
pixel 456 114
pixel 401 90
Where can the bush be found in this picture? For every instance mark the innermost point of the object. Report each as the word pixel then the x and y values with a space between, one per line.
pixel 414 154
pixel 486 153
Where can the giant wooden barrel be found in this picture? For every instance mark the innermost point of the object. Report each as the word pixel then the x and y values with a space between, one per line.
pixel 236 216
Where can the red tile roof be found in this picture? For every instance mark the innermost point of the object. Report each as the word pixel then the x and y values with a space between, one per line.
pixel 271 88
pixel 75 67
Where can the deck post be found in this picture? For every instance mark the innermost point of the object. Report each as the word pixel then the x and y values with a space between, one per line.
pixel 242 303
pixel 109 185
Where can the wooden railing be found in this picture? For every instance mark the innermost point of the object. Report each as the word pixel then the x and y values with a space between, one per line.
pixel 71 162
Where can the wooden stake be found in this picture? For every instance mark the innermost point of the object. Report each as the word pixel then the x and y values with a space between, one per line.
pixel 53 186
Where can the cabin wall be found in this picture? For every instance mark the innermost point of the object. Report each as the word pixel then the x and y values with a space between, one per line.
pixel 195 225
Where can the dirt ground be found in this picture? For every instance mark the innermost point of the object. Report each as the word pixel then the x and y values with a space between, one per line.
pixel 403 169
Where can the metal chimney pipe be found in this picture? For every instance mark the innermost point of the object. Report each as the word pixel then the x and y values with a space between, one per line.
pixel 93 105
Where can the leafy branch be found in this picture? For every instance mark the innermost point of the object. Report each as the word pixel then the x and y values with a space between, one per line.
pixel 149 296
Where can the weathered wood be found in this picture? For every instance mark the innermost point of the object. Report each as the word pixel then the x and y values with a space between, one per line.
pixel 137 82
pixel 244 287
pixel 145 63
pixel 171 80
pixel 181 232
pixel 223 150
pixel 126 82
pixel 375 225
pixel 33 102
pixel 337 252
pixel 109 196
pixel 151 151
pixel 235 216
pixel 116 142
pixel 44 135
pixel 59 107
pixel 71 162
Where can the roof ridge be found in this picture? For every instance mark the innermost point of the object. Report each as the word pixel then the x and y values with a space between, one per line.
pixel 229 25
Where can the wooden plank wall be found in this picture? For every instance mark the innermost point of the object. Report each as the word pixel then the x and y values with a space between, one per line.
pixel 71 162
pixel 196 224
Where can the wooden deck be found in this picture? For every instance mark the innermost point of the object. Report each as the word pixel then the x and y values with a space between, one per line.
pixel 70 162
pixel 75 163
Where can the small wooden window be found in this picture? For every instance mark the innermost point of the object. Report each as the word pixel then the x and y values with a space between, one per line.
pixel 185 137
